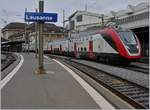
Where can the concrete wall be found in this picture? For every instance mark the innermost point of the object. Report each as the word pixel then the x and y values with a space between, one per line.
pixel 136 24
pixel 86 20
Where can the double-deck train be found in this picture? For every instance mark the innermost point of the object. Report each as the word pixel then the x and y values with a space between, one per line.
pixel 108 44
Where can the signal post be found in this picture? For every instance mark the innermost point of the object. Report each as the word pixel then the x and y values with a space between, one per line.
pixel 40 18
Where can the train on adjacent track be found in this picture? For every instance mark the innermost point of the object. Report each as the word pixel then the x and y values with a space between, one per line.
pixel 110 44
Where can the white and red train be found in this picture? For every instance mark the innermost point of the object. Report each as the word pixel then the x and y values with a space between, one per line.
pixel 108 44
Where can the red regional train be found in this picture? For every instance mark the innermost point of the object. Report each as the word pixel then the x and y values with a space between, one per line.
pixel 109 45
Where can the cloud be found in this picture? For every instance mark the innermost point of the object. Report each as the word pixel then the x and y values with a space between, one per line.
pixel 13 10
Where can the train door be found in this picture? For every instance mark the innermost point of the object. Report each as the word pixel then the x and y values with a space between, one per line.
pixel 90 53
pixel 90 46
pixel 75 49
pixel 60 48
pixel 75 46
pixel 51 49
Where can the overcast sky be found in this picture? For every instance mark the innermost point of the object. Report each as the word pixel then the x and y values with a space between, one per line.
pixel 13 10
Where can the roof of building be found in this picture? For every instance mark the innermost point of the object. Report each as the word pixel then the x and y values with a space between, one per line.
pixel 3 39
pixel 131 9
pixel 85 13
pixel 14 25
pixel 48 27
pixel 15 35
pixel 12 42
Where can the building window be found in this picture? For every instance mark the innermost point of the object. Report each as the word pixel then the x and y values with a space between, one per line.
pixel 81 49
pixel 79 18
pixel 85 49
pixel 72 25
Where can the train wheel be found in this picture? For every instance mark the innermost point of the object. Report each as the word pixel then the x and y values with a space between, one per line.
pixel 127 62
pixel 107 60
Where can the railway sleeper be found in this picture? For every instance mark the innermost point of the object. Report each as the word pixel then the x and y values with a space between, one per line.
pixel 139 95
pixel 127 87
pixel 120 85
pixel 136 90
pixel 142 100
pixel 139 92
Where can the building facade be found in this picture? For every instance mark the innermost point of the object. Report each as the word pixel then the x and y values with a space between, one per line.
pixel 81 20
pixel 12 28
pixel 19 39
pixel 50 32
pixel 135 18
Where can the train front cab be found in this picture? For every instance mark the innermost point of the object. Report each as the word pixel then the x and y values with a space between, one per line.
pixel 127 43
pixel 124 42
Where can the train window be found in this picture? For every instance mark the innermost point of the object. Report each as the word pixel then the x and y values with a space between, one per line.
pixel 127 37
pixel 78 49
pixel 109 40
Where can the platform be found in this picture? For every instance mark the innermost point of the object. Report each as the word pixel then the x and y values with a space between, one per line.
pixel 57 89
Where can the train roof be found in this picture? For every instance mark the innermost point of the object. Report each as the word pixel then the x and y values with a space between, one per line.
pixel 90 32
pixel 97 30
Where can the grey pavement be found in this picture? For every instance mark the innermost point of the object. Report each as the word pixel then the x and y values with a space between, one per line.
pixel 55 90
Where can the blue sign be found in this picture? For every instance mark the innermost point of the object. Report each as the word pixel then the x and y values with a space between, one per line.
pixel 40 17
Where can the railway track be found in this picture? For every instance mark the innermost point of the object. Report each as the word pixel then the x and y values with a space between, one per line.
pixel 136 68
pixel 132 93
pixel 7 59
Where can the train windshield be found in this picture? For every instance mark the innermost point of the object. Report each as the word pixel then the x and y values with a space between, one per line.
pixel 127 37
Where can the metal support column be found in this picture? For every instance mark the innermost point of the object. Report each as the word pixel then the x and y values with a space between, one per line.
pixel 102 17
pixel 63 18
pixel 41 66
pixel 36 35
pixel 28 38
pixel 25 33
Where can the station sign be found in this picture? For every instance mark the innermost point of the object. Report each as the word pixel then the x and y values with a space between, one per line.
pixel 40 17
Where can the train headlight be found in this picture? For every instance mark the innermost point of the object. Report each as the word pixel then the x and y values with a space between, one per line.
pixel 137 47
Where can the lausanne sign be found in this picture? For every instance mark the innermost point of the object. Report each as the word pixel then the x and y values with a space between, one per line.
pixel 40 17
